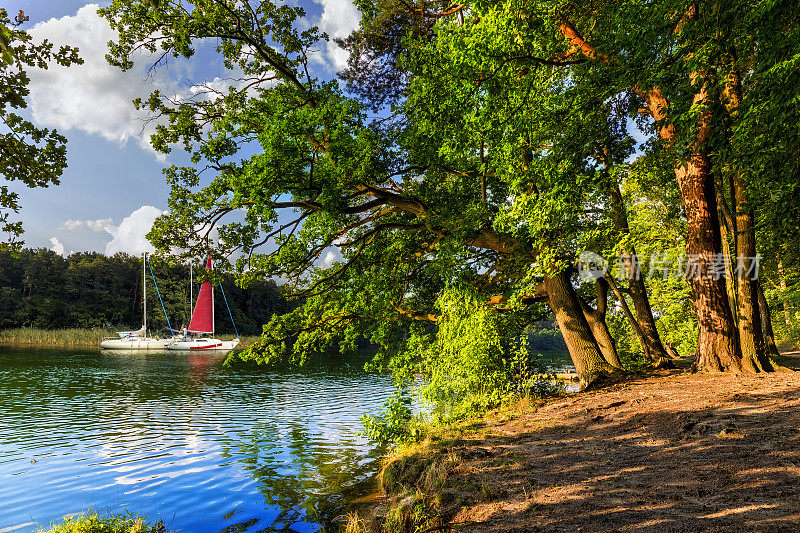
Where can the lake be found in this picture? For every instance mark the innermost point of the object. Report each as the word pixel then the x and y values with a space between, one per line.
pixel 181 437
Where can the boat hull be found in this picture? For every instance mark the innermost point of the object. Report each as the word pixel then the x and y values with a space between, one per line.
pixel 203 344
pixel 135 344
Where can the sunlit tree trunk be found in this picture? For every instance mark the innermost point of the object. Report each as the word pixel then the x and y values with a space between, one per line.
pixel 766 323
pixel 754 356
pixel 582 346
pixel 748 316
pixel 596 318
pixel 718 344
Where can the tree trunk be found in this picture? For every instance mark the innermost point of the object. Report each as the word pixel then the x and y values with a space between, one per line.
pixel 582 346
pixel 658 362
pixel 748 317
pixel 787 315
pixel 727 226
pixel 596 318
pixel 754 355
pixel 650 339
pixel 766 323
pixel 718 343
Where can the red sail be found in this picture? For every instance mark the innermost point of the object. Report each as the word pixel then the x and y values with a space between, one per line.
pixel 203 316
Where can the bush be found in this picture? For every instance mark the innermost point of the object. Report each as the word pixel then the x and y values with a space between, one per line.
pixel 470 364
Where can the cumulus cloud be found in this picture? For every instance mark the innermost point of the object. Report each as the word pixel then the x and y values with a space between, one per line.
pixel 129 236
pixel 339 19
pixel 95 225
pixel 57 246
pixel 94 97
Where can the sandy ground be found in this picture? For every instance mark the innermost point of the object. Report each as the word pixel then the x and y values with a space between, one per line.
pixel 670 452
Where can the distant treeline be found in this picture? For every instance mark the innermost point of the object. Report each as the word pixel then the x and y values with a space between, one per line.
pixel 39 288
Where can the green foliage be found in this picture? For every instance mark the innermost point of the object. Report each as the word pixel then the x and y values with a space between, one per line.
pixel 41 289
pixel 33 156
pixel 93 522
pixel 493 163
pixel 471 364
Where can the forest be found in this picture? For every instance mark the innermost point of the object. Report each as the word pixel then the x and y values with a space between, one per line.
pixel 41 289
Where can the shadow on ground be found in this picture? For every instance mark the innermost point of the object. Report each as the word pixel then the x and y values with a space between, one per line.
pixel 675 452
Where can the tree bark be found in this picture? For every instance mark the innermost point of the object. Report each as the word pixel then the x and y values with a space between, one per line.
pixel 766 323
pixel 748 317
pixel 582 346
pixel 751 339
pixel 718 343
pixel 650 339
pixel 596 318
pixel 787 315
pixel 727 229
pixel 659 361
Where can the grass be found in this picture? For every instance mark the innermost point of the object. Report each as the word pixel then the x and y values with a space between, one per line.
pixel 427 482
pixel 53 337
pixel 93 522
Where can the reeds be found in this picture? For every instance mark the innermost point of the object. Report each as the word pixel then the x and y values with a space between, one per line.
pixel 54 337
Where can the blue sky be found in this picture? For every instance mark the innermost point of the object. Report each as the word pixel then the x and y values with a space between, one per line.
pixel 113 187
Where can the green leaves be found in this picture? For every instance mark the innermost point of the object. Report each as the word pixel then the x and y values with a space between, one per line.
pixel 34 156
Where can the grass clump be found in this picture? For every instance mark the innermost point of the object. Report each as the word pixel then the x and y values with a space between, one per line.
pixel 93 522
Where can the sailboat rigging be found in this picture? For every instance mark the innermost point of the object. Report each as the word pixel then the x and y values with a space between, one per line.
pixel 202 323
pixel 137 340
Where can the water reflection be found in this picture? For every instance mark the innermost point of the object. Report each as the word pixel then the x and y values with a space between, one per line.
pixel 182 437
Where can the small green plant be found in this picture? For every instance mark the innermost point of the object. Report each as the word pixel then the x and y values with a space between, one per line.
pixel 93 522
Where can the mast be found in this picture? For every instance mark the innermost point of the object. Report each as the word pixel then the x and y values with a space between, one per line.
pixel 144 292
pixel 191 290
pixel 213 324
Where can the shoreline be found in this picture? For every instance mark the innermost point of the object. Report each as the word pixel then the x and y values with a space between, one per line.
pixel 668 450
pixel 53 338
pixel 75 338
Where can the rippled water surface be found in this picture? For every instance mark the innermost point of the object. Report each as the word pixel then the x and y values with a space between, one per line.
pixel 202 446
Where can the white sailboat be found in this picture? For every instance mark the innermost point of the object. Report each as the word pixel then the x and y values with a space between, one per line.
pixel 137 340
pixel 202 323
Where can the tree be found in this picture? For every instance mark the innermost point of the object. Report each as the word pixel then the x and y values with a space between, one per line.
pixel 36 157
pixel 500 159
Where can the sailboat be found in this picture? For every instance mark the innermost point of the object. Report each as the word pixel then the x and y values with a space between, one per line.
pixel 202 323
pixel 137 340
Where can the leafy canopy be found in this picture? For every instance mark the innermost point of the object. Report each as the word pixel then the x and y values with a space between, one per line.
pixel 34 156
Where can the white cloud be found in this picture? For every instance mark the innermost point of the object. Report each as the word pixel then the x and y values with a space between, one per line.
pixel 96 225
pixel 129 236
pixel 93 97
pixel 57 246
pixel 71 225
pixel 330 257
pixel 339 19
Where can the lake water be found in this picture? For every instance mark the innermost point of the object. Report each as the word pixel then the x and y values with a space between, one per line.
pixel 203 446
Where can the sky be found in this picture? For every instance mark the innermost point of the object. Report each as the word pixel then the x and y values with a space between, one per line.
pixel 113 187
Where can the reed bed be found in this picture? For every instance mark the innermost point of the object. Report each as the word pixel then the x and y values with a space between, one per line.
pixel 244 342
pixel 53 337
pixel 60 338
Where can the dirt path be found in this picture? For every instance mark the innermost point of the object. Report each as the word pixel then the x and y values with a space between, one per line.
pixel 672 452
